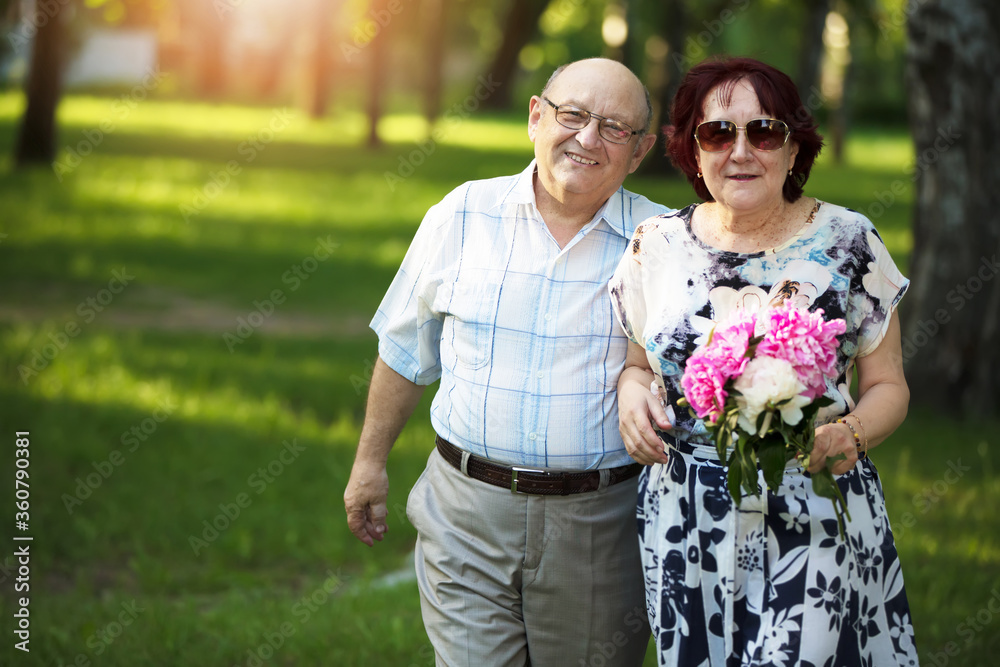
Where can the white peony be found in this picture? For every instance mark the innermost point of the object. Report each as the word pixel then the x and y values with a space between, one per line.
pixel 769 382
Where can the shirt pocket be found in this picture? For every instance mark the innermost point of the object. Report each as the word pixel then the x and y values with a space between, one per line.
pixel 473 312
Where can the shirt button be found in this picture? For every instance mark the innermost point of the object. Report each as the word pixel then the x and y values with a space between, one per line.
pixel 532 437
pixel 548 317
pixel 540 375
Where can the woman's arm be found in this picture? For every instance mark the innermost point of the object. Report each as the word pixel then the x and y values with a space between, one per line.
pixel 882 404
pixel 638 408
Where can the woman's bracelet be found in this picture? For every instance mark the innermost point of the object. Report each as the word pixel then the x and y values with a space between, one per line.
pixel 863 432
pixel 857 438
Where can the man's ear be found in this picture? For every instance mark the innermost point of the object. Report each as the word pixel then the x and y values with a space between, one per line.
pixel 534 115
pixel 646 142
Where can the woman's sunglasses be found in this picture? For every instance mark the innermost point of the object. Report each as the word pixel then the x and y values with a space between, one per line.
pixel 764 134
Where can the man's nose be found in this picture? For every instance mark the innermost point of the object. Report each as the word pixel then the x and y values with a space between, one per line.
pixel 590 136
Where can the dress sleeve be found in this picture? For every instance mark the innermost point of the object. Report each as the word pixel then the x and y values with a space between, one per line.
pixel 408 321
pixel 626 288
pixel 882 287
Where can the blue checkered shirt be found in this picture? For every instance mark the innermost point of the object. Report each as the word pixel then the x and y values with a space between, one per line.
pixel 519 331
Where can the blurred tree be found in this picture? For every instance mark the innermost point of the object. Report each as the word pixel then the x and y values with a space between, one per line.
pixel 520 27
pixel 842 24
pixel 674 22
pixel 435 20
pixel 952 322
pixel 377 79
pixel 36 139
pixel 811 46
pixel 322 13
pixel 213 36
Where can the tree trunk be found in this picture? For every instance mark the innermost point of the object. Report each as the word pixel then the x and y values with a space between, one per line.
pixel 950 334
pixel 520 28
pixel 319 94
pixel 36 141
pixel 674 29
pixel 435 20
pixel 378 52
pixel 212 82
pixel 811 48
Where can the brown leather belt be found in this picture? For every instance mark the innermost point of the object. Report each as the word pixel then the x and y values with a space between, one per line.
pixel 531 480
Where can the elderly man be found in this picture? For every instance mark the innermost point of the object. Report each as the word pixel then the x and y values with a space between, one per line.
pixel 527 550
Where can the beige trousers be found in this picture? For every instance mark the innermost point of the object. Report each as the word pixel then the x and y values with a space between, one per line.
pixel 512 579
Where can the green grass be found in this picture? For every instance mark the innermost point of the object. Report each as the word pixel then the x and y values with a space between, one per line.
pixel 147 421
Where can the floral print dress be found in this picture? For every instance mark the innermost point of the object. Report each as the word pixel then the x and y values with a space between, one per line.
pixel 768 581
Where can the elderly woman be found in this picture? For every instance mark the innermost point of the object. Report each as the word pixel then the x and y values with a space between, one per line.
pixel 768 581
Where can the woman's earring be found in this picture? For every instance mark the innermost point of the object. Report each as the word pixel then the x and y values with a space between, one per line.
pixel 699 174
pixel 789 172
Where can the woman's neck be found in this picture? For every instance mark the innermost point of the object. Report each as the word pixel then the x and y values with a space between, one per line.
pixel 748 232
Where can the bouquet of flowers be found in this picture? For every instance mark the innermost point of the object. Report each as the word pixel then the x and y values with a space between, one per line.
pixel 758 383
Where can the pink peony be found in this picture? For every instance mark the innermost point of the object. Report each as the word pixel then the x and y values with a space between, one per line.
pixel 729 343
pixel 806 341
pixel 703 386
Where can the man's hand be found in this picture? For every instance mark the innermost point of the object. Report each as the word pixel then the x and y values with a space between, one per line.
pixel 638 410
pixel 365 500
pixel 391 400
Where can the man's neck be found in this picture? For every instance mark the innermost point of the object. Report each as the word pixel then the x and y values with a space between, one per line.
pixel 566 214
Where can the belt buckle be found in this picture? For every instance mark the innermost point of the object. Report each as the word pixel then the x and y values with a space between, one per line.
pixel 513 476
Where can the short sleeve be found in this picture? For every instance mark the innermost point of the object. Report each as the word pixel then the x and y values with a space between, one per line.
pixel 882 287
pixel 626 288
pixel 407 322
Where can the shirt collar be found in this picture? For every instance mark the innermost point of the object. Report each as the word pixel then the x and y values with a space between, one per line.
pixel 613 211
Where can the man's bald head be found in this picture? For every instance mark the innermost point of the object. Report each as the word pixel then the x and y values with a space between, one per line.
pixel 616 69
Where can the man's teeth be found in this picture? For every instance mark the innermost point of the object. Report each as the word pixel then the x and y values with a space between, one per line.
pixel 581 160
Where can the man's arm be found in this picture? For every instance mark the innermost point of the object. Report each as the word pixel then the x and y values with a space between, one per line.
pixel 391 400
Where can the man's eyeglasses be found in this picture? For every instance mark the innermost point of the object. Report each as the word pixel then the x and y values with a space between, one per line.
pixel 575 118
pixel 764 134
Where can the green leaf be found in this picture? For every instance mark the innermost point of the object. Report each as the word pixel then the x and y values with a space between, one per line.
pixel 748 461
pixel 723 441
pixel 735 480
pixel 772 456
pixel 825 486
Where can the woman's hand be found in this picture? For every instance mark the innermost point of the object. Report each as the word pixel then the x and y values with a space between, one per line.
pixel 638 408
pixel 831 440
